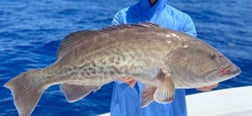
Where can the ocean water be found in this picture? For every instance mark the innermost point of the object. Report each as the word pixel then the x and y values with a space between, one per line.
pixel 30 32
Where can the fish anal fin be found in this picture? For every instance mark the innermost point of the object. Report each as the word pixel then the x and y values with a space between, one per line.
pixel 147 96
pixel 165 91
pixel 74 92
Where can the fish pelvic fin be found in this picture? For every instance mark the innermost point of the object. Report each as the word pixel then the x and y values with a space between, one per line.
pixel 147 96
pixel 26 90
pixel 74 92
pixel 165 92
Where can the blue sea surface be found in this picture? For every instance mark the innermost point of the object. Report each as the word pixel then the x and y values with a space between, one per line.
pixel 31 30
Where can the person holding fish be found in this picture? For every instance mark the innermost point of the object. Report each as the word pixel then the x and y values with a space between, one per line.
pixel 125 100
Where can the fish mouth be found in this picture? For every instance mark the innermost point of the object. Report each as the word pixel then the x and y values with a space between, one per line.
pixel 219 75
pixel 229 70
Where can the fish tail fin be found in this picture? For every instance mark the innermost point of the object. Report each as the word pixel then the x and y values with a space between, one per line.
pixel 26 89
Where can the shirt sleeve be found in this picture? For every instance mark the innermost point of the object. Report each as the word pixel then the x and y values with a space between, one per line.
pixel 125 100
pixel 188 27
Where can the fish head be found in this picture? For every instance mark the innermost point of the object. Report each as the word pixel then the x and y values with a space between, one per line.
pixel 201 65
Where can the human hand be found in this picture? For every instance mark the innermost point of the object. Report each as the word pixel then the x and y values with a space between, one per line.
pixel 208 88
pixel 129 80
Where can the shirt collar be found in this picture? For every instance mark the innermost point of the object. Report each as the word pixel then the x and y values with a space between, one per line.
pixel 144 7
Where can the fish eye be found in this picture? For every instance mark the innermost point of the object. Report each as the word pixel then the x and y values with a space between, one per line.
pixel 212 55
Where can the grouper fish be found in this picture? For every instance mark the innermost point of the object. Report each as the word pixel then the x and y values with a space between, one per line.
pixel 161 59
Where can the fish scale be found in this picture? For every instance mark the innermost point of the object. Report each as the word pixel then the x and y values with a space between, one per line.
pixel 161 59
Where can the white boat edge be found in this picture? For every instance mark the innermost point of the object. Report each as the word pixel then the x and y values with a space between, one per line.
pixel 224 102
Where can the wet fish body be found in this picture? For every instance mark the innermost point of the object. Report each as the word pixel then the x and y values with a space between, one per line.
pixel 162 59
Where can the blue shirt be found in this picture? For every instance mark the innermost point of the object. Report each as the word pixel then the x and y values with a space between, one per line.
pixel 126 100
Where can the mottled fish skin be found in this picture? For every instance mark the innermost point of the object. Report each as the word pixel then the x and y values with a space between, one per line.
pixel 162 59
pixel 114 55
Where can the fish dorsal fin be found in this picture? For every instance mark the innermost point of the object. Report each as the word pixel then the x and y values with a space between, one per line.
pixel 74 39
pixel 77 38
pixel 129 26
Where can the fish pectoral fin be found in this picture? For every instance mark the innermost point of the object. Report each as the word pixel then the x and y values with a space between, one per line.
pixel 165 92
pixel 74 92
pixel 147 96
